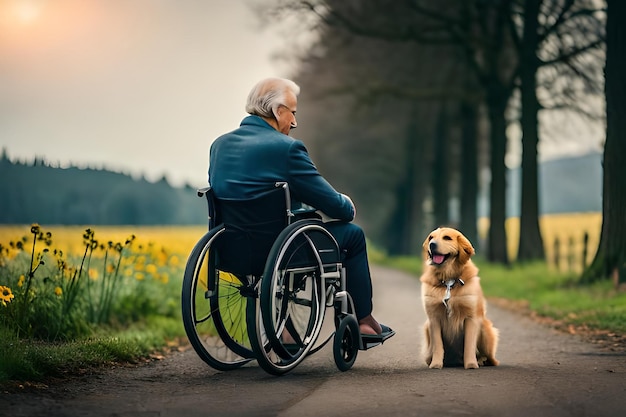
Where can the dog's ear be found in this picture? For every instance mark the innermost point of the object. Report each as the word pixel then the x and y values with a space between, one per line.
pixel 466 250
pixel 425 248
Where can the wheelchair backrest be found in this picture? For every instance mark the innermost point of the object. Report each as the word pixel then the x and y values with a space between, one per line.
pixel 251 227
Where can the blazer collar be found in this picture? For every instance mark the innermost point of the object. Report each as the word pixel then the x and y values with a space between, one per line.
pixel 253 120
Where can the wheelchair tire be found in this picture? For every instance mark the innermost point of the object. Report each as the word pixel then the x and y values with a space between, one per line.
pixel 292 297
pixel 346 343
pixel 213 308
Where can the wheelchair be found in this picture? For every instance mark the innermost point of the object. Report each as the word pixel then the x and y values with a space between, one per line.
pixel 258 284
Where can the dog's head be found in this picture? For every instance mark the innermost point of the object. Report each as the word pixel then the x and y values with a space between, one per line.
pixel 445 246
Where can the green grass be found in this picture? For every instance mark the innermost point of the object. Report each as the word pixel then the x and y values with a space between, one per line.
pixel 29 360
pixel 558 296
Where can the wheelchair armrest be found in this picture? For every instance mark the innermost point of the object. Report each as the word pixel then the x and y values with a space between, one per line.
pixel 325 218
pixel 202 191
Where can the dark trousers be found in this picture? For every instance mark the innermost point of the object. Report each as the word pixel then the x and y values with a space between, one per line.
pixel 351 240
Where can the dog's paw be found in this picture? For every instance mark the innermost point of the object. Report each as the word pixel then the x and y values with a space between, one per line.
pixel 471 365
pixel 488 361
pixel 436 365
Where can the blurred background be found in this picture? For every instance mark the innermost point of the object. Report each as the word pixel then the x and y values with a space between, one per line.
pixel 427 113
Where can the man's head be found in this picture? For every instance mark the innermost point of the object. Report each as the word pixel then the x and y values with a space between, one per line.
pixel 275 100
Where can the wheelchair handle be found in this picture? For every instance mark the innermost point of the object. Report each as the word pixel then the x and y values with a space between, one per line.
pixel 285 186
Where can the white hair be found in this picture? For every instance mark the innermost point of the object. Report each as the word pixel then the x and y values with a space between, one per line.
pixel 268 94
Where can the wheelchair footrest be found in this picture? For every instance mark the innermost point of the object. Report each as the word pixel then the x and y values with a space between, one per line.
pixel 369 341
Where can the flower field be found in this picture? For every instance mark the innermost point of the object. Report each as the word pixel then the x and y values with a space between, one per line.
pixel 563 238
pixel 60 283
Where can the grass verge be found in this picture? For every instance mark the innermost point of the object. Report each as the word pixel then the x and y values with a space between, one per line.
pixel 28 360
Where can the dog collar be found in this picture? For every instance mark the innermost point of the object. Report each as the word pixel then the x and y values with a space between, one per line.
pixel 449 285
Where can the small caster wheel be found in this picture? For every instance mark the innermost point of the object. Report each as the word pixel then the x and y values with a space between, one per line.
pixel 346 343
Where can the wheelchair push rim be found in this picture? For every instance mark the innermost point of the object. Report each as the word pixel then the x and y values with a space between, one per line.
pixel 291 305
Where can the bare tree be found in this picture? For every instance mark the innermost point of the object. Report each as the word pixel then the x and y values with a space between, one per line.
pixel 559 37
pixel 610 258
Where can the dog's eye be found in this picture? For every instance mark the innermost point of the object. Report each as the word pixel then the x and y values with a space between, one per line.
pixel 430 238
pixel 447 238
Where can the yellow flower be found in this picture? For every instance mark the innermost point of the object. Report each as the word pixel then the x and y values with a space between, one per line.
pixel 93 274
pixel 151 269
pixel 58 291
pixel 174 260
pixel 20 281
pixel 162 257
pixel 5 295
pixel 139 276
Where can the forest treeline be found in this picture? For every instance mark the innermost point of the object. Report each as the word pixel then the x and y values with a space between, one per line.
pixel 36 192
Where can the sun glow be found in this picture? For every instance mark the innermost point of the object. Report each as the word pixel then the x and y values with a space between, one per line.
pixel 26 11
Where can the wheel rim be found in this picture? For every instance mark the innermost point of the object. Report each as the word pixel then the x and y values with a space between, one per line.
pixel 215 319
pixel 292 300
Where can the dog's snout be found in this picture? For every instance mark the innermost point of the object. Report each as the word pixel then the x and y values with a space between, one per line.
pixel 432 246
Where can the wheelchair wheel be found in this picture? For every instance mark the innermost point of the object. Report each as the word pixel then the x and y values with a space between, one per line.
pixel 292 300
pixel 213 308
pixel 346 343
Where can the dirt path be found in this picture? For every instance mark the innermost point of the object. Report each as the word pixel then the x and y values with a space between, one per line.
pixel 542 373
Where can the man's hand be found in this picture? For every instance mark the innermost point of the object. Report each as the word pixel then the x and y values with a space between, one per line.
pixel 351 202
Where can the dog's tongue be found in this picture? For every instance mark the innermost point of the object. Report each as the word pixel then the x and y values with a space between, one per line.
pixel 438 259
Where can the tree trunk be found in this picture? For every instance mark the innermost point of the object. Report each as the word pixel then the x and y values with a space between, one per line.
pixel 404 223
pixel 440 177
pixel 610 259
pixel 497 98
pixel 398 231
pixel 530 241
pixel 469 172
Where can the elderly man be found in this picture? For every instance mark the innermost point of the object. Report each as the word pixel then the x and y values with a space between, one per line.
pixel 246 162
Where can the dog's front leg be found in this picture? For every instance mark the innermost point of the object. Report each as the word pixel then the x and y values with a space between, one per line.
pixel 472 329
pixel 436 345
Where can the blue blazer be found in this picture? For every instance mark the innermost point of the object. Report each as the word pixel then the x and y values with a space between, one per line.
pixel 246 162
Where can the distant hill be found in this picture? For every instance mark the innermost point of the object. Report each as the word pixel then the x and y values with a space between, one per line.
pixel 566 185
pixel 37 193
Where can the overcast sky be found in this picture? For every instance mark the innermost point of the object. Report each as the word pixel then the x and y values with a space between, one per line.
pixel 144 86
pixel 140 86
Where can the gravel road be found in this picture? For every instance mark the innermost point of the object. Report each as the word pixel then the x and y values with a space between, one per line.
pixel 543 372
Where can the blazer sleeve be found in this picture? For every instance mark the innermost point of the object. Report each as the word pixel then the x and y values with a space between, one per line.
pixel 308 186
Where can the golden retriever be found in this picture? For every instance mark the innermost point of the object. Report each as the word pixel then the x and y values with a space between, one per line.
pixel 457 330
